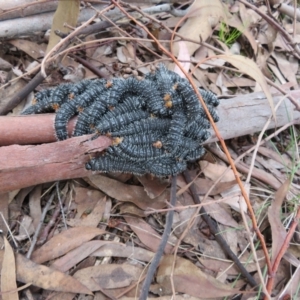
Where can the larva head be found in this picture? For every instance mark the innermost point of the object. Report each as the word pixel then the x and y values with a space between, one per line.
pixel 55 106
pixel 167 97
pixel 117 140
pixel 71 96
pixel 168 104
pixel 157 144
pixel 108 84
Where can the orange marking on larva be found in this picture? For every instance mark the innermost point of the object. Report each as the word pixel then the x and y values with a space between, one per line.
pixel 108 84
pixel 167 97
pixel 80 109
pixel 117 141
pixel 110 107
pixel 108 134
pixel 92 126
pixel 34 101
pixel 168 104
pixel 71 96
pixel 157 144
pixel 55 106
pixel 175 86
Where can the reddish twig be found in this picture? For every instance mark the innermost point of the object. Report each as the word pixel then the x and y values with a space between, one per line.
pixel 243 191
pixel 282 251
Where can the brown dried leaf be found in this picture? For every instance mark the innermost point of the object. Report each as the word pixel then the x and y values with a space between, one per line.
pixel 4 200
pixel 153 186
pixel 35 205
pixel 249 67
pixel 32 49
pixel 203 185
pixel 202 17
pixel 288 67
pixel 47 278
pixel 216 265
pixel 108 276
pixel 131 209
pixel 26 229
pixel 214 171
pixel 75 256
pixel 190 280
pixel 65 241
pixel 86 199
pixel 122 250
pixel 66 12
pixel 282 159
pixel 278 230
pixel 126 192
pixel 92 219
pixel 219 213
pixel 8 274
pixel 146 234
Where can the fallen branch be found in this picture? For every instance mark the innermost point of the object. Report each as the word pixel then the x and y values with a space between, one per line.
pixel 239 116
pixel 23 166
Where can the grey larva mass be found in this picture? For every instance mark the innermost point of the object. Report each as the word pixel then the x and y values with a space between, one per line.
pixel 157 124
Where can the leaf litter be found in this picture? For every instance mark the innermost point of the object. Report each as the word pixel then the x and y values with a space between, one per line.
pixel 112 224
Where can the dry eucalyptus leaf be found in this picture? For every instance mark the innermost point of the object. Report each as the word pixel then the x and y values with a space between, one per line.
pixel 47 278
pixel 278 231
pixel 190 280
pixel 108 276
pixel 63 242
pixel 203 16
pixel 8 274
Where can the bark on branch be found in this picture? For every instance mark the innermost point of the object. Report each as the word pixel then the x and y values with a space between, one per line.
pixel 22 166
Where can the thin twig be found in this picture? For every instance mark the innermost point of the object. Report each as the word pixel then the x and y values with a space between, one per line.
pixel 68 39
pixel 261 134
pixel 156 259
pixel 39 227
pixel 250 238
pixel 213 229
pixel 61 204
pixel 8 229
pixel 222 142
pixel 277 27
pixel 22 94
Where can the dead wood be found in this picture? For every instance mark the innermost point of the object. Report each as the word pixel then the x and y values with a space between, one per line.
pixel 23 166
pixel 249 113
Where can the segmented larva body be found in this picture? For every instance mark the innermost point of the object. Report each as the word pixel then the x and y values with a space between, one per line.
pixel 119 121
pixel 194 154
pixel 143 138
pixel 143 151
pixel 78 88
pixel 182 146
pixel 146 126
pixel 209 97
pixel 165 167
pixel 50 100
pixel 157 124
pixel 86 119
pixel 176 130
pixel 77 104
pixel 130 104
pixel 197 131
pixel 113 164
